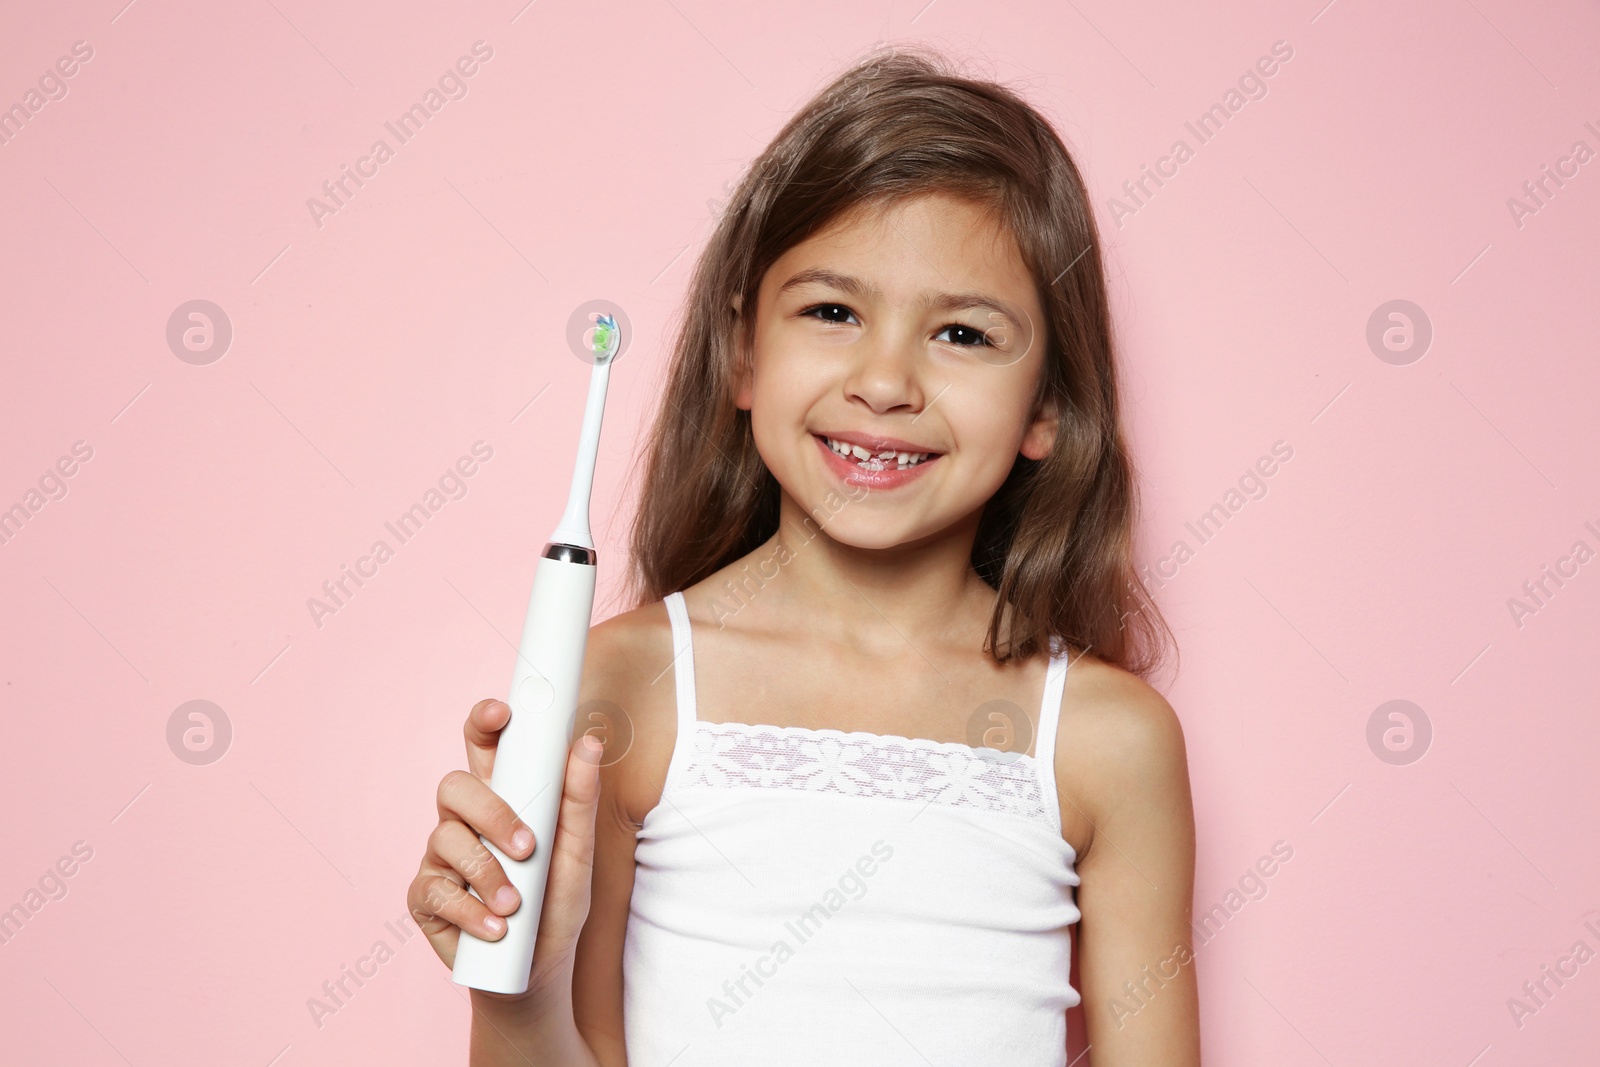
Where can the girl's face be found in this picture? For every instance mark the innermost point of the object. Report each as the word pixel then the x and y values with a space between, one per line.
pixel 916 329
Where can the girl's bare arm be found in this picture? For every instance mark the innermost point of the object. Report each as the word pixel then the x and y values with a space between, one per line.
pixel 1124 764
pixel 636 715
pixel 597 982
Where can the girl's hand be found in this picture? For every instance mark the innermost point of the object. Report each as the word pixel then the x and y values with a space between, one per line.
pixel 455 858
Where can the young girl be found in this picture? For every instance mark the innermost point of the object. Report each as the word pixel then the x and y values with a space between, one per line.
pixel 877 737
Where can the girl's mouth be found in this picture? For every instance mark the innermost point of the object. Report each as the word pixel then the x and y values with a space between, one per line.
pixel 883 469
pixel 888 459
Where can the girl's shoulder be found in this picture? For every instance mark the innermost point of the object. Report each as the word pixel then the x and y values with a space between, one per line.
pixel 1119 744
pixel 618 642
pixel 628 697
pixel 1103 696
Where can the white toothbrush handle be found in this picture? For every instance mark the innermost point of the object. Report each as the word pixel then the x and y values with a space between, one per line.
pixel 530 760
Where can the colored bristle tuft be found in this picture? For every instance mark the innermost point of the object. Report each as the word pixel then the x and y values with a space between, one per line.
pixel 605 335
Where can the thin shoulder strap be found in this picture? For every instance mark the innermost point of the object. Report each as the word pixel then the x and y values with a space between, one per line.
pixel 683 677
pixel 1049 720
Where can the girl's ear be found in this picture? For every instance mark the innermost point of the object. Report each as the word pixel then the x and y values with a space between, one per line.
pixel 1040 437
pixel 741 384
pixel 740 378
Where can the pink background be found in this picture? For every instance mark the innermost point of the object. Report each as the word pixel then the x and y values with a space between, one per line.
pixel 585 161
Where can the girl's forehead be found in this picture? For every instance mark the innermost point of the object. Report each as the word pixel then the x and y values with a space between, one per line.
pixel 929 241
pixel 935 217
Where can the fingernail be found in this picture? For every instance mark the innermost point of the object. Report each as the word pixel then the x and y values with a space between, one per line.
pixel 522 840
pixel 505 897
pixel 495 924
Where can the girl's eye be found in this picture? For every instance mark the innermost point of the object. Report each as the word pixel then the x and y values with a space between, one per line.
pixel 826 308
pixel 974 337
pixel 970 337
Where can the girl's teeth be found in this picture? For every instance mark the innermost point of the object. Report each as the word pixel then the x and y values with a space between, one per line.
pixel 882 461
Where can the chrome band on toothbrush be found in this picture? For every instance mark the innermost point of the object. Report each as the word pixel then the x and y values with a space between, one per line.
pixel 569 553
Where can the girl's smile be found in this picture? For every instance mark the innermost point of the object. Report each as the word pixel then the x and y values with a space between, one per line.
pixel 875 462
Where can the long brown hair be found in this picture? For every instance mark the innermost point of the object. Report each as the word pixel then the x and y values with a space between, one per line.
pixel 1055 541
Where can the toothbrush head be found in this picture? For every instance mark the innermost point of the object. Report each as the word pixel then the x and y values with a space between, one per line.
pixel 598 332
pixel 604 339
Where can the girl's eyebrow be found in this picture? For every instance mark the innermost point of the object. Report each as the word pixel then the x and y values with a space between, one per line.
pixel 931 301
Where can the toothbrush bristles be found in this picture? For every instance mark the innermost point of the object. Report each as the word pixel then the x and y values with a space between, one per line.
pixel 605 333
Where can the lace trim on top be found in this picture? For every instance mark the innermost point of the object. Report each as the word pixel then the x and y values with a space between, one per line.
pixel 855 763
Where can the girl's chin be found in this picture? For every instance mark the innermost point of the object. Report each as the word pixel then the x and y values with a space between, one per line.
pixel 858 521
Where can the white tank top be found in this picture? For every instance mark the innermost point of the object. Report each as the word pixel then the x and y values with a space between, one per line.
pixel 816 897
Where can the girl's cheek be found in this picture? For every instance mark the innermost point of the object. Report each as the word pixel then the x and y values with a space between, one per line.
pixel 992 437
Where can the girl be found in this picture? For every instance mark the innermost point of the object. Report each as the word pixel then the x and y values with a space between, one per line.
pixel 877 737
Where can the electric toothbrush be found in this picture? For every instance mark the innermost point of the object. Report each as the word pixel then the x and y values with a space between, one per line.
pixel 530 759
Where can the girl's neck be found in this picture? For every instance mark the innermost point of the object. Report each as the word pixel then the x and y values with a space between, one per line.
pixel 927 590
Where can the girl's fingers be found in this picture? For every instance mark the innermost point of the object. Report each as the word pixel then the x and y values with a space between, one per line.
pixel 482 729
pixel 441 908
pixel 453 845
pixel 468 798
pixel 441 933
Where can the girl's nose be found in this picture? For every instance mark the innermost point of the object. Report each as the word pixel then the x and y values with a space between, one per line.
pixel 887 373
